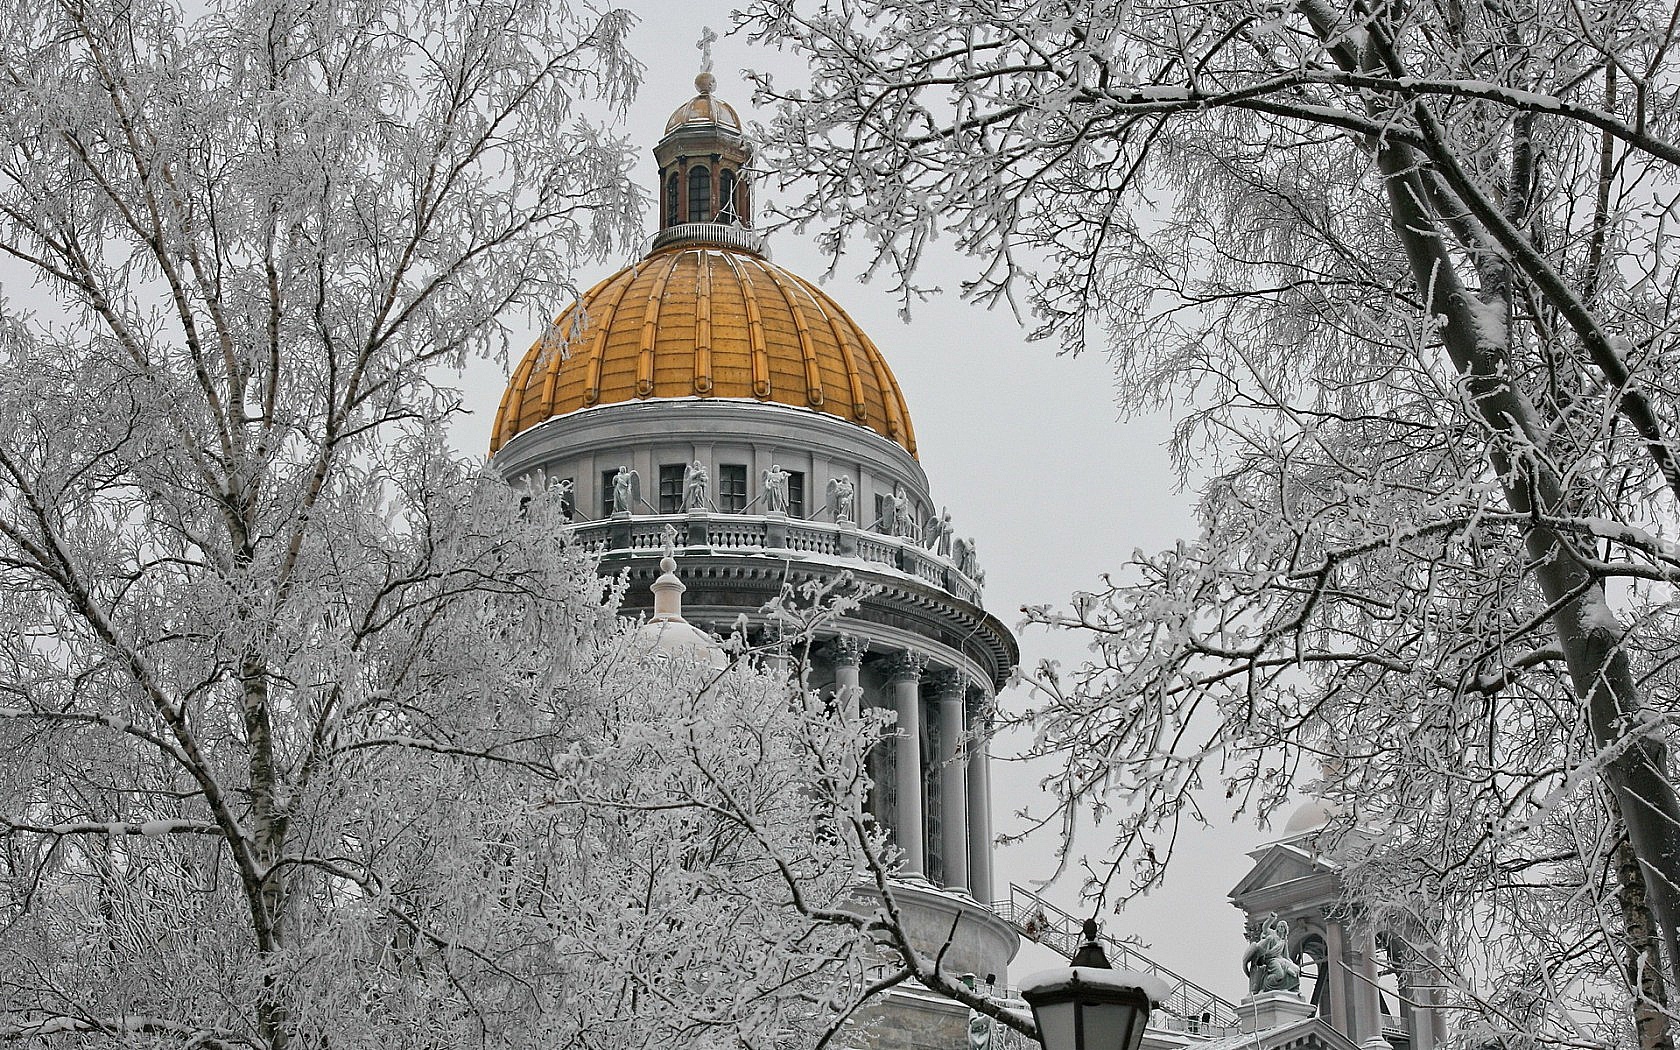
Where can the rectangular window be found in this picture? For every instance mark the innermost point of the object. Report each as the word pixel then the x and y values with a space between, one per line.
pixel 732 487
pixel 796 494
pixel 880 510
pixel 607 492
pixel 671 488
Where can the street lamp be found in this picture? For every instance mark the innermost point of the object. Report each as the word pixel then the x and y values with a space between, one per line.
pixel 1091 1005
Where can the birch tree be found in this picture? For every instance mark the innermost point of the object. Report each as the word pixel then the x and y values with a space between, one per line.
pixel 1408 271
pixel 316 735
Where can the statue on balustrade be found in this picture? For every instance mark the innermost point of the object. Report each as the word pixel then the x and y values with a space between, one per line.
pixel 1267 962
pixel 887 523
pixel 775 489
pixel 623 490
pixel 568 498
pixel 904 520
pixel 943 536
pixel 842 494
pixel 696 486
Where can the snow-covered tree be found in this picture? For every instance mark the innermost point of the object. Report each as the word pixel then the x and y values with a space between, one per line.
pixel 1408 268
pixel 315 734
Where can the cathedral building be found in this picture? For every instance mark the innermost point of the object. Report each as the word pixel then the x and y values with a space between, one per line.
pixel 706 398
pixel 706 390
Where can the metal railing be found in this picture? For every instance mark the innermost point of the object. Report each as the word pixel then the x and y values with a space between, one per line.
pixel 1188 1008
pixel 729 235
pixel 795 537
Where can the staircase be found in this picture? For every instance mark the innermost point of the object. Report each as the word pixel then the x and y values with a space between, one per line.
pixel 1194 1009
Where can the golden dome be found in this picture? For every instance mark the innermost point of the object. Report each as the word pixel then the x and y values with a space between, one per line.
pixel 705 109
pixel 705 320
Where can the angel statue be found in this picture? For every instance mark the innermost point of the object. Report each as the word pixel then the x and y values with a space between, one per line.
pixel 841 494
pixel 930 532
pixel 775 489
pixel 623 489
pixel 904 522
pixel 696 484
pixel 1267 961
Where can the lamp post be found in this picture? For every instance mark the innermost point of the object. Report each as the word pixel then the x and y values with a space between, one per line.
pixel 1091 1005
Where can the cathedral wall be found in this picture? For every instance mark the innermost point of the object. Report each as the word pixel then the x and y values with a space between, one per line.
pixel 646 434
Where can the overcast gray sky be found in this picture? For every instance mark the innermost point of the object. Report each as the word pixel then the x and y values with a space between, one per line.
pixel 1004 428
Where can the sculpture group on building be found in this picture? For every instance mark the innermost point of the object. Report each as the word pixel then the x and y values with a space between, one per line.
pixel 1267 962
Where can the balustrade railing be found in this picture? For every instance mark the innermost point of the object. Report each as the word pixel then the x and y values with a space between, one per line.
pixel 645 533
pixel 1189 1008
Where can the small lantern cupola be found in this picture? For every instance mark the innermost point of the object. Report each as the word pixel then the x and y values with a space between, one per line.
pixel 703 162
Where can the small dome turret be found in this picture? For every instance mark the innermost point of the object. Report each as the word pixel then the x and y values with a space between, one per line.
pixel 703 162
pixel 704 110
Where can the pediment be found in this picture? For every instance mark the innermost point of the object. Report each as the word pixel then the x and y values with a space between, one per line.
pixel 1279 864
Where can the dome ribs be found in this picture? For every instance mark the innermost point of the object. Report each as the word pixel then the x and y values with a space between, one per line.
pixel 832 312
pixel 632 336
pixel 551 375
pixel 650 328
pixel 513 401
pixel 807 349
pixel 703 328
pixel 598 351
pixel 755 334
pixel 891 400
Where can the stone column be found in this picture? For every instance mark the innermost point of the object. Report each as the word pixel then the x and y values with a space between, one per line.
pixel 950 691
pixel 846 654
pixel 904 671
pixel 1414 999
pixel 1337 976
pixel 978 773
pixel 1369 999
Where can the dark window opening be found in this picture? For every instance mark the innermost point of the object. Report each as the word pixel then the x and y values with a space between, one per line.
pixel 732 487
pixel 726 197
pixel 700 194
pixel 672 215
pixel 671 488
pixel 880 510
pixel 796 494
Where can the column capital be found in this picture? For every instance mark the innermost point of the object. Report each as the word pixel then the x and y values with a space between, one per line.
pixel 843 650
pixel 905 664
pixel 980 708
pixel 948 683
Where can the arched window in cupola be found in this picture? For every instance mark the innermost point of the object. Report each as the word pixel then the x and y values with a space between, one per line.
pixel 700 194
pixel 672 214
pixel 726 197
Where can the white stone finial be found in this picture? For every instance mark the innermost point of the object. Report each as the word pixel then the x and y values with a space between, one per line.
pixel 667 589
pixel 707 38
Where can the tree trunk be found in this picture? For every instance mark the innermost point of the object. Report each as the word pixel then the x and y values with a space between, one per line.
pixel 1643 965
pixel 1634 763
